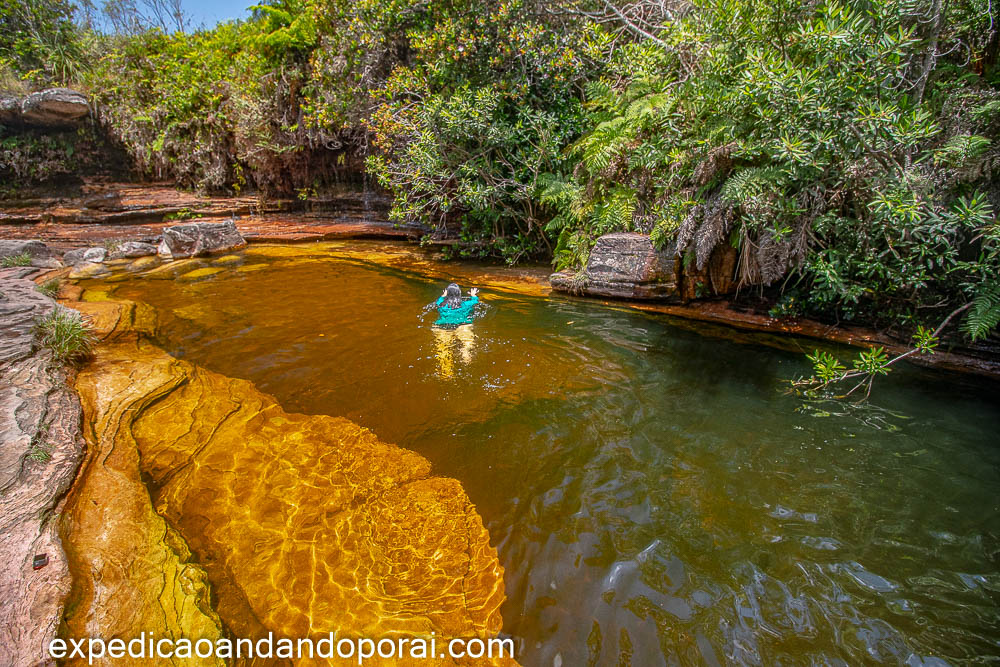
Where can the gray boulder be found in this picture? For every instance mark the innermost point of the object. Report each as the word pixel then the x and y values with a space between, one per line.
pixel 626 266
pixel 199 238
pixel 42 256
pixel 85 255
pixel 55 107
pixel 33 247
pixel 130 249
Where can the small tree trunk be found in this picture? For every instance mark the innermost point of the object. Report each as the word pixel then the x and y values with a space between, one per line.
pixel 938 11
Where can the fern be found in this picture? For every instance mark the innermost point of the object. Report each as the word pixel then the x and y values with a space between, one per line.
pixel 748 184
pixel 572 250
pixel 603 144
pixel 960 149
pixel 566 196
pixel 557 191
pixel 987 111
pixel 984 316
pixel 615 212
pixel 648 105
pixel 601 96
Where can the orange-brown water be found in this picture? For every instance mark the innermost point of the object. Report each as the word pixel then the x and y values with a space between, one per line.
pixel 654 496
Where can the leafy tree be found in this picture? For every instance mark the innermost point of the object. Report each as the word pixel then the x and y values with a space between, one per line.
pixel 467 104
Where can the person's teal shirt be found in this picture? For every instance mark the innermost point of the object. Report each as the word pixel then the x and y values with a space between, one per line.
pixel 452 317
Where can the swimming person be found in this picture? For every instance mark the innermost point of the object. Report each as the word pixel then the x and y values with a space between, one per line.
pixel 453 310
pixel 454 326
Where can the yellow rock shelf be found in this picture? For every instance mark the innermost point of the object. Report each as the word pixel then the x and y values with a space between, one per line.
pixel 206 510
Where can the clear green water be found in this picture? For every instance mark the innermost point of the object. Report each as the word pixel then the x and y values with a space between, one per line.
pixel 654 496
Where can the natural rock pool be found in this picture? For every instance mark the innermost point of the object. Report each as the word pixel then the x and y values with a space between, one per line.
pixel 655 496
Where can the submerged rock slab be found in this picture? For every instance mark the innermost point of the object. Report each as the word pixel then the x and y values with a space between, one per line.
pixel 40 450
pixel 132 572
pixel 305 525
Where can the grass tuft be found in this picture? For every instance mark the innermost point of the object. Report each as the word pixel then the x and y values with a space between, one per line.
pixel 66 335
pixel 39 453
pixel 49 288
pixel 23 259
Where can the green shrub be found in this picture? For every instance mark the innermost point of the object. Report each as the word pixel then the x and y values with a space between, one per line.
pixel 66 335
pixel 22 259
pixel 39 41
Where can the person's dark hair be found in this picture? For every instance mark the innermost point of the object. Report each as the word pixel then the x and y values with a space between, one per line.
pixel 453 298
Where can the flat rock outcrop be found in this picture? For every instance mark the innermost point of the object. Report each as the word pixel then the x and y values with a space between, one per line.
pixel 132 572
pixel 304 524
pixel 627 265
pixel 40 451
pixel 200 238
pixel 54 107
pixel 133 212
pixel 10 109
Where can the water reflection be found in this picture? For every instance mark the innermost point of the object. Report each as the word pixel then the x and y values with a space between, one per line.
pixel 655 496
pixel 453 344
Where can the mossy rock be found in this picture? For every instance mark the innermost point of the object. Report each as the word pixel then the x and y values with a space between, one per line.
pixel 227 260
pixel 246 268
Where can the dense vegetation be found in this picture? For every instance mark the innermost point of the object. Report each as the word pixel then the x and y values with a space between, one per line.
pixel 847 150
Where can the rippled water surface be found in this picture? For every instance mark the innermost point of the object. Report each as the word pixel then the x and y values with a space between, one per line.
pixel 654 496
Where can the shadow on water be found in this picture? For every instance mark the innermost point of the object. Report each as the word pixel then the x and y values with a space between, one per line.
pixel 655 496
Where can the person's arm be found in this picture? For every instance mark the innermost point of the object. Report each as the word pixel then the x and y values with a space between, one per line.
pixel 439 301
pixel 471 302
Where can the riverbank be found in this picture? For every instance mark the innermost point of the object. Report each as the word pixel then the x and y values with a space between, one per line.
pixel 108 212
pixel 114 213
